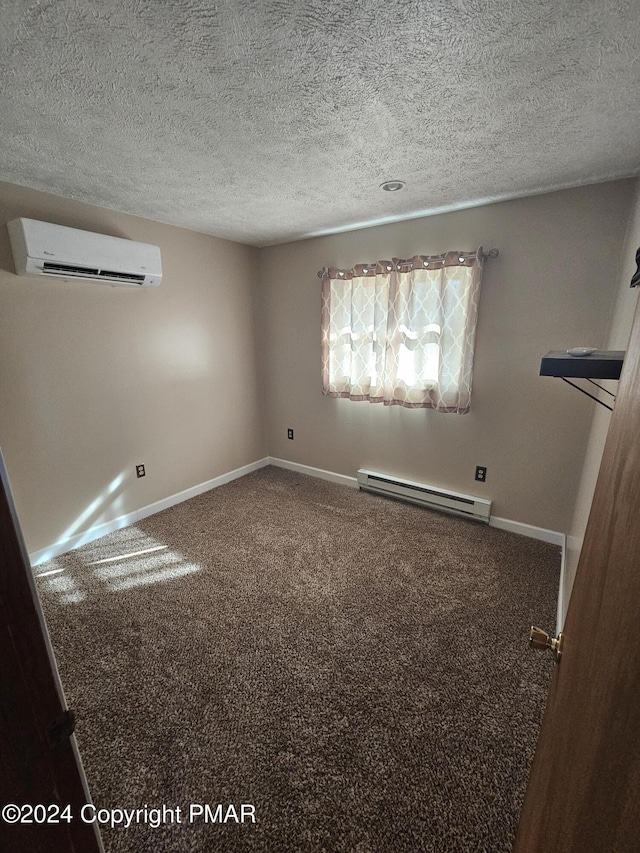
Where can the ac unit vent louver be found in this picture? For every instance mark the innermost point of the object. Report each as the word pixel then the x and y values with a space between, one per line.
pixel 122 276
pixel 66 270
pixel 432 497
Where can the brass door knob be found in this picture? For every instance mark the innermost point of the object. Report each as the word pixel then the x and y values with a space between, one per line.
pixel 539 639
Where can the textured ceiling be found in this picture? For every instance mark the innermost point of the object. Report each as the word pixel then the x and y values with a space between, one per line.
pixel 269 121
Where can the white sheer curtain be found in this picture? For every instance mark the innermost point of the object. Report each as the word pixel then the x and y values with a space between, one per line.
pixel 402 332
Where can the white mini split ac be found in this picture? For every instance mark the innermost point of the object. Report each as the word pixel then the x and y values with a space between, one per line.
pixel 41 248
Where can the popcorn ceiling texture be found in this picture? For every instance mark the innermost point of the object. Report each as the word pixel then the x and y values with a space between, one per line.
pixel 270 120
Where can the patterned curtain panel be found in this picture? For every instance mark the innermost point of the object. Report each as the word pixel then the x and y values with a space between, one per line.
pixel 402 332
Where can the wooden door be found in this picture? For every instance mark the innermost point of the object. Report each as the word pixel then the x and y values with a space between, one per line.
pixel 39 765
pixel 584 787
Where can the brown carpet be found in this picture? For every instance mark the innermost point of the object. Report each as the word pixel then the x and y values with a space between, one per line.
pixel 355 668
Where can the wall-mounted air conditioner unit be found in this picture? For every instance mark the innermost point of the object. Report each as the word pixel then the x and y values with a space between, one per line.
pixel 432 497
pixel 41 248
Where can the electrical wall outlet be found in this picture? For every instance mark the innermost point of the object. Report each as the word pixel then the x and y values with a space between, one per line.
pixel 481 473
pixel 140 471
pixel 290 434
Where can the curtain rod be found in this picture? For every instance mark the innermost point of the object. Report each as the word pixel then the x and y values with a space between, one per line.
pixel 490 253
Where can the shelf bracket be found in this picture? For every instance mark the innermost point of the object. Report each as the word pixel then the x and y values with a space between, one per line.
pixel 573 385
pixel 606 391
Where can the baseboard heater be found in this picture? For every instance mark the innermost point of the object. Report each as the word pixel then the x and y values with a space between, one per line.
pixel 432 497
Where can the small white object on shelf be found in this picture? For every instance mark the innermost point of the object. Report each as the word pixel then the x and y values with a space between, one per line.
pixel 582 351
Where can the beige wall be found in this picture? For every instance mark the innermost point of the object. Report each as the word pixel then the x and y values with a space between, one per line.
pixel 617 339
pixel 553 286
pixel 94 379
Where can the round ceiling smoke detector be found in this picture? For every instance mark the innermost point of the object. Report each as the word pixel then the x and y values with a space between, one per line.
pixel 392 186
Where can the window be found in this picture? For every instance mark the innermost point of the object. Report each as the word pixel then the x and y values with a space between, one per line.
pixel 402 332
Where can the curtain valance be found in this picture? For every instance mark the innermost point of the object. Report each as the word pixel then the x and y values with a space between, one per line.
pixel 449 259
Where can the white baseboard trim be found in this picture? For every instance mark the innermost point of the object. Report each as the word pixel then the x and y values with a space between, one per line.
pixel 341 479
pixel 552 536
pixel 561 605
pixel 72 542
pixel 541 533
pixel 194 491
